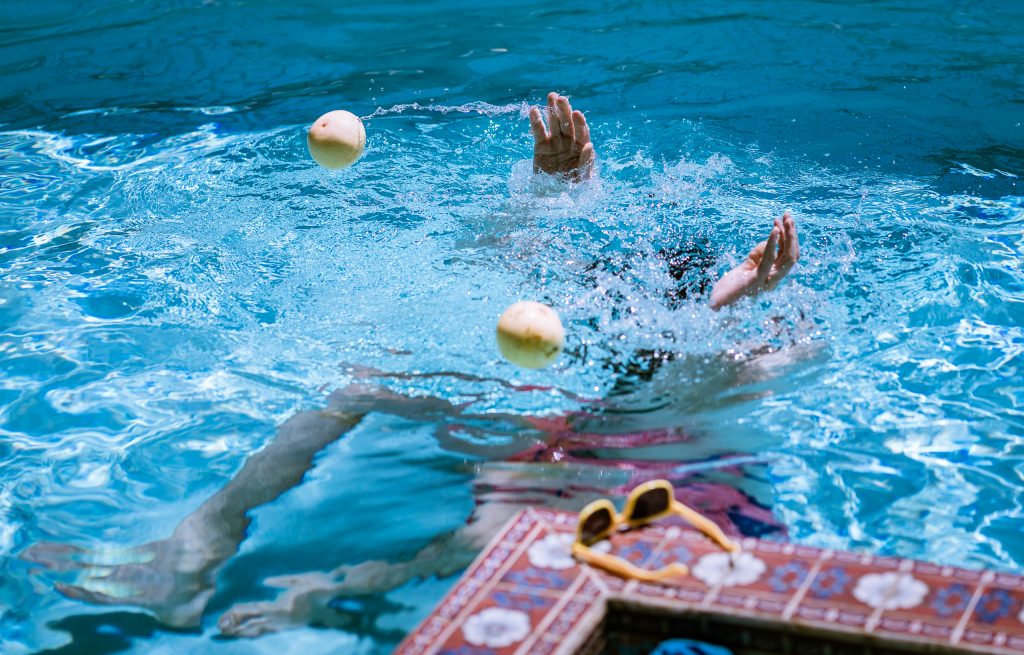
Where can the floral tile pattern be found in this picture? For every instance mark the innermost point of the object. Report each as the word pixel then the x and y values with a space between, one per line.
pixel 948 594
pixel 841 593
pixel 997 618
pixel 526 595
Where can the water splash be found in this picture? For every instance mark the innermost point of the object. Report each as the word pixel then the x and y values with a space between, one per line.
pixel 168 301
pixel 520 109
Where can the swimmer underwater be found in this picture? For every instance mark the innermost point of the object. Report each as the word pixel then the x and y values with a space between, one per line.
pixel 175 578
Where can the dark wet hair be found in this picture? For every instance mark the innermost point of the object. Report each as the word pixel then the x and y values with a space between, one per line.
pixel 691 266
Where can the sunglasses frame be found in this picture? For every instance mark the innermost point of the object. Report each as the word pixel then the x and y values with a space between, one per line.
pixel 590 510
pixel 581 548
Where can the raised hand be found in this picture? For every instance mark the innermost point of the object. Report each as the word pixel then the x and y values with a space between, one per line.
pixel 765 266
pixel 565 147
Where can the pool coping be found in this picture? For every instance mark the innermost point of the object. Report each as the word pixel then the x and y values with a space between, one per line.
pixel 524 595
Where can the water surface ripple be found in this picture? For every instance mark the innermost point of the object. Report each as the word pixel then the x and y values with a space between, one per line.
pixel 177 278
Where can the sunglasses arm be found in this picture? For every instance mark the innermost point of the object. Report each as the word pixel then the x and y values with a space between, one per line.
pixel 706 526
pixel 624 568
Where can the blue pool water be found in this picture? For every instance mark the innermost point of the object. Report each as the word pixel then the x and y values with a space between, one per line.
pixel 177 278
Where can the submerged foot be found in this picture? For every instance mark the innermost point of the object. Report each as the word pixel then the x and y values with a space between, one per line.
pixel 171 580
pixel 306 599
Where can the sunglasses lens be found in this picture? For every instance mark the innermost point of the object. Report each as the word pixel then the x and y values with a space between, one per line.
pixel 595 525
pixel 651 503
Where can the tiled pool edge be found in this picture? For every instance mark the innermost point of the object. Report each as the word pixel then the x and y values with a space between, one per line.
pixel 522 595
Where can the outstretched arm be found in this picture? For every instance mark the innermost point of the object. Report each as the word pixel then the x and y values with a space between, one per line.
pixel 564 147
pixel 765 266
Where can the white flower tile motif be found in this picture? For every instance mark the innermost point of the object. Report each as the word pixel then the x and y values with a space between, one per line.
pixel 552 552
pixel 555 551
pixel 496 627
pixel 729 570
pixel 890 591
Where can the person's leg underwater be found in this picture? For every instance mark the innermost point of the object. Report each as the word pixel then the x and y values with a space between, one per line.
pixel 174 578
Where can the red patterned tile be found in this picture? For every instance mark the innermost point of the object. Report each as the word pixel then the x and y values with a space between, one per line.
pixel 546 565
pixel 1008 581
pixel 676 546
pixel 786 570
pixel 749 603
pixel 781 574
pixel 829 597
pixel 867 560
pixel 469 586
pixel 589 590
pixel 683 546
pixel 459 597
pixel 985 638
pixel 500 623
pixel 517 527
pixel 560 521
pixel 569 618
pixel 543 581
pixel 637 547
pixel 778 572
pixel 545 646
pixel 539 602
pixel 687 590
pixel 560 623
pixel 932 603
pixel 695 541
pixel 952 573
pixel 424 637
pixel 803 552
pixel 998 616
pixel 898 626
pixel 614 583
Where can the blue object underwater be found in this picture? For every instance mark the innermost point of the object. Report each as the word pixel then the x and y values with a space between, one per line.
pixel 688 647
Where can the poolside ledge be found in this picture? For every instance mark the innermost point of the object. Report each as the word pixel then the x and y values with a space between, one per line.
pixel 524 595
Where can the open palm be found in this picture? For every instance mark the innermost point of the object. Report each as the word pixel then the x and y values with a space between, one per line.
pixel 765 266
pixel 563 147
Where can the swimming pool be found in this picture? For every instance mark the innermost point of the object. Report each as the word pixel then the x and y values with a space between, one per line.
pixel 177 278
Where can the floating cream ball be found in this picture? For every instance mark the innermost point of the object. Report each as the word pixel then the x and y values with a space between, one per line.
pixel 530 334
pixel 336 139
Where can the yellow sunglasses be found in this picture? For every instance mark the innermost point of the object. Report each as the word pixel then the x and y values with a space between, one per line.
pixel 647 502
